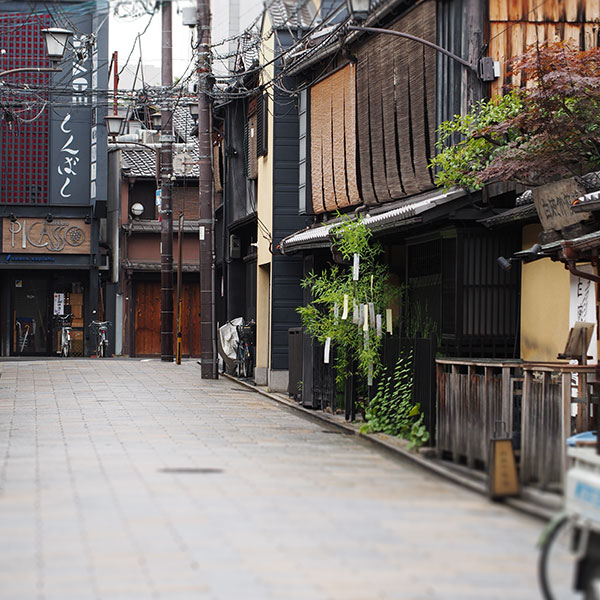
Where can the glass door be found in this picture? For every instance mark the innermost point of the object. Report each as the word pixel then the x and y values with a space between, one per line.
pixel 30 317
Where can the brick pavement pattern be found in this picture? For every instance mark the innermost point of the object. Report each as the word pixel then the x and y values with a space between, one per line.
pixel 124 479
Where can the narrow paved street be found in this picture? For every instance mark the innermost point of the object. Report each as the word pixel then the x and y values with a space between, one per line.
pixel 137 479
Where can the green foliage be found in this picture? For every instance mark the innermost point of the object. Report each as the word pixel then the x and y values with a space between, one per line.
pixel 464 150
pixel 328 289
pixel 545 130
pixel 391 410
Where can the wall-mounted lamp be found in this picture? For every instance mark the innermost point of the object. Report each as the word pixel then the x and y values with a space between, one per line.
pixel 56 42
pixel 49 217
pixel 87 220
pixel 12 217
pixel 526 256
pixel 137 210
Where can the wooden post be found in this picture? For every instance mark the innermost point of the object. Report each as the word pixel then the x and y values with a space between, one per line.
pixel 179 285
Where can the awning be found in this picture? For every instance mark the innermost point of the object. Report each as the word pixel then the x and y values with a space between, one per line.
pixel 379 219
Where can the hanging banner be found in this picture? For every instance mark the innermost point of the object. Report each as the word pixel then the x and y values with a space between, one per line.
pixel 582 307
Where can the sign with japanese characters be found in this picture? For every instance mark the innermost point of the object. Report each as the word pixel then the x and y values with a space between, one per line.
pixel 71 122
pixel 38 236
pixel 553 204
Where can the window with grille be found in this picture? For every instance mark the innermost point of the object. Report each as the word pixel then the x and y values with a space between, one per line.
pixel 24 125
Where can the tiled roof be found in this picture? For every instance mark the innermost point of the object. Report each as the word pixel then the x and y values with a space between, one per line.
pixel 133 265
pixel 383 220
pixel 139 160
pixel 519 213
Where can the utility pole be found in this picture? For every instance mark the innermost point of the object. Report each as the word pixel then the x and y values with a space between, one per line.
pixel 208 331
pixel 166 187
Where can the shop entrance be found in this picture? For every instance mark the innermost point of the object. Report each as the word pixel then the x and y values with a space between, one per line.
pixel 36 300
pixel 30 316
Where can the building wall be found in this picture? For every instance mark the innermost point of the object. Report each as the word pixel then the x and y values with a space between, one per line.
pixel 265 214
pixel 544 305
pixel 516 25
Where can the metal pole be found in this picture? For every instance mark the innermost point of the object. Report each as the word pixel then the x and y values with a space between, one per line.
pixel 205 185
pixel 166 173
pixel 179 286
pixel 414 38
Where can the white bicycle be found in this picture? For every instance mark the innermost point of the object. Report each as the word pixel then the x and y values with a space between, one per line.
pixel 65 334
pixel 101 328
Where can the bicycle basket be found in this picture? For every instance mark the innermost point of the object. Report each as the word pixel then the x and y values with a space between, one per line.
pixel 246 333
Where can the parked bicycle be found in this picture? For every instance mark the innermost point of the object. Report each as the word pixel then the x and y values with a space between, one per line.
pixel 570 544
pixel 101 329
pixel 64 323
pixel 244 355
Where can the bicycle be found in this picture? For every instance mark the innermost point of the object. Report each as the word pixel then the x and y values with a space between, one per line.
pixel 570 543
pixel 65 334
pixel 243 359
pixel 101 328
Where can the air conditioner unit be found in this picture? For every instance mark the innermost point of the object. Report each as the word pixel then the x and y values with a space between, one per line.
pixel 149 136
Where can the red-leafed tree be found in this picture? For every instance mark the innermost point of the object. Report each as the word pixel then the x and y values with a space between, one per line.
pixel 544 130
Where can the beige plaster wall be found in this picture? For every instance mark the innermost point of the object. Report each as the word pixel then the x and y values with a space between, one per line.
pixel 544 305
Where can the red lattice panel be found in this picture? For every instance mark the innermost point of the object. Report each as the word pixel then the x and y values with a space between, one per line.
pixel 24 146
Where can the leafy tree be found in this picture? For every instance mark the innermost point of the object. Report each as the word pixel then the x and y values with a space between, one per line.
pixel 547 129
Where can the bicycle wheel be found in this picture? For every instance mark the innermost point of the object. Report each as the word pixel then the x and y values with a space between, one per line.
pixel 100 349
pixel 557 561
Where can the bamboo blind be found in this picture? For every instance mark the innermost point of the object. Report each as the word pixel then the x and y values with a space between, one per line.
pixel 333 141
pixel 396 104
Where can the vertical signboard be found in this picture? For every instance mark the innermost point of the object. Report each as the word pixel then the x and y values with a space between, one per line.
pixel 71 123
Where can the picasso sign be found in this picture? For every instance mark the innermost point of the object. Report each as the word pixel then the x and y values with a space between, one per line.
pixel 38 236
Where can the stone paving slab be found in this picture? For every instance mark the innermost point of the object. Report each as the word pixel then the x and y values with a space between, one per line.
pixel 137 479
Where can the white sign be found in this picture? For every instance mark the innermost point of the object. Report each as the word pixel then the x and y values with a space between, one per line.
pixel 582 307
pixel 59 304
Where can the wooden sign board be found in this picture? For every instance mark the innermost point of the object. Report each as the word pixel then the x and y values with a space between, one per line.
pixel 38 236
pixel 502 478
pixel 553 204
pixel 579 340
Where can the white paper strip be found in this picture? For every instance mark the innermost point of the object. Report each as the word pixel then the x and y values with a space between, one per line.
pixel 345 310
pixel 355 314
pixel 378 321
pixel 327 350
pixel 372 315
pixel 370 375
pixel 366 339
pixel 336 311
pixel 356 267
pixel 388 320
pixel 366 317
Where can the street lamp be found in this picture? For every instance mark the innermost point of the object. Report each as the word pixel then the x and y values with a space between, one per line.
pixel 56 45
pixel 113 125
pixel 359 9
pixel 194 109
pixel 56 42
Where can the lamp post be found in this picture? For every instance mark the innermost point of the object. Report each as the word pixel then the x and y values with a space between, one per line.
pixel 56 45
pixel 359 10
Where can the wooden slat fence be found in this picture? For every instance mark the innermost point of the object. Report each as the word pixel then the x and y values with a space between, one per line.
pixel 531 402
pixel 474 400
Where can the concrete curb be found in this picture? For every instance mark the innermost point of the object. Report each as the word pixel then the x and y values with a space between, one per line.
pixel 527 503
